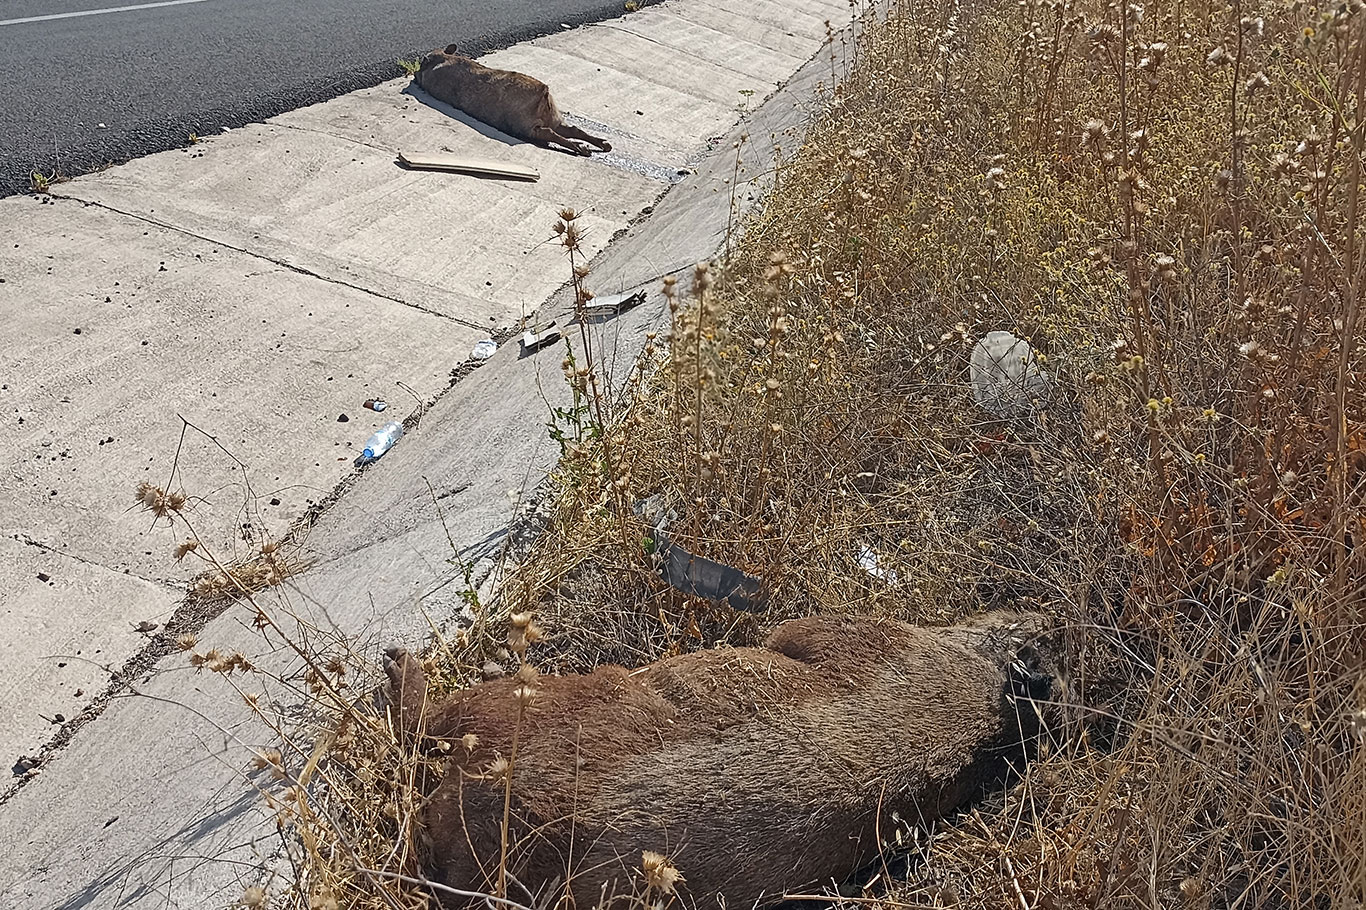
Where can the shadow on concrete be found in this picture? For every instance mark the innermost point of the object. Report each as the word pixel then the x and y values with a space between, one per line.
pixel 190 847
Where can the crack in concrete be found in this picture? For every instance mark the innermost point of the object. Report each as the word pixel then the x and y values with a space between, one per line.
pixel 331 135
pixel 189 617
pixel 687 53
pixel 642 166
pixel 120 679
pixel 170 585
pixel 298 269
pixel 699 99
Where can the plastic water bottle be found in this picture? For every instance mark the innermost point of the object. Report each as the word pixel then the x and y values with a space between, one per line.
pixel 381 442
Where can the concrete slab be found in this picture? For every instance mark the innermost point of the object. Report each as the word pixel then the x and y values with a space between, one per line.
pixel 671 64
pixel 741 50
pixel 142 830
pixel 115 326
pixel 804 19
pixel 54 668
pixel 474 250
pixel 795 39
pixel 670 116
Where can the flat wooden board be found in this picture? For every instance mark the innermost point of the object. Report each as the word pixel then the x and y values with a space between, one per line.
pixel 479 167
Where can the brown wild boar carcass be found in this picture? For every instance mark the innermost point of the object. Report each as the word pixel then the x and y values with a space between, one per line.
pixel 754 770
pixel 512 102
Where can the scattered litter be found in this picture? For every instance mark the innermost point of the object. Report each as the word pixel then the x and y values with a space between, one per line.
pixel 869 562
pixel 477 167
pixel 342 418
pixel 101 126
pixel 654 512
pixel 533 340
pixel 375 404
pixel 697 575
pixel 1006 377
pixel 381 442
pixel 484 349
pixel 613 305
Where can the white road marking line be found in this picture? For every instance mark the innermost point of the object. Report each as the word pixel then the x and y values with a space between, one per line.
pixel 97 12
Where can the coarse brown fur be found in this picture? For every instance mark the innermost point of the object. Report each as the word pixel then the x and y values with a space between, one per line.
pixel 512 102
pixel 755 770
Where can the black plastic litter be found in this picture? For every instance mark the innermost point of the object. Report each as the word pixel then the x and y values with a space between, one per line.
pixel 702 577
pixel 693 574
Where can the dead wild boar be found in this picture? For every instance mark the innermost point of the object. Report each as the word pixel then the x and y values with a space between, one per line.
pixel 756 771
pixel 512 102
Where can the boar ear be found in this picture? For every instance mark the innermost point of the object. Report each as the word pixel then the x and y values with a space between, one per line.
pixel 452 49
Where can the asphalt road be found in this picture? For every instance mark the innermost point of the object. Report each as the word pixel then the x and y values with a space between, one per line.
pixel 83 89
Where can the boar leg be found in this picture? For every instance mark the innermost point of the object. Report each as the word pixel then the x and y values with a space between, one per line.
pixel 550 136
pixel 573 132
pixel 407 691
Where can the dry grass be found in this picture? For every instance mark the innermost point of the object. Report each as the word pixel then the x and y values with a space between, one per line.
pixel 1164 201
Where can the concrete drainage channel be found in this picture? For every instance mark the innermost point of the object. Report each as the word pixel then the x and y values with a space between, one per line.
pixel 261 284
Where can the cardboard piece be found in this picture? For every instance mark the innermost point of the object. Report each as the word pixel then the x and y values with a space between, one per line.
pixel 478 167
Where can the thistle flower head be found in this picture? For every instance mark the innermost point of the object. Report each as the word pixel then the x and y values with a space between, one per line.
pixel 660 873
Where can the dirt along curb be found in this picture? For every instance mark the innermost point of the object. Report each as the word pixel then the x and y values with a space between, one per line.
pixel 167 813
